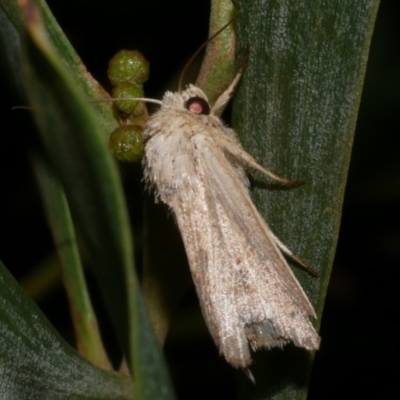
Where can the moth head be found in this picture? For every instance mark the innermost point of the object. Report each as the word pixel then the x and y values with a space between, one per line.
pixel 195 100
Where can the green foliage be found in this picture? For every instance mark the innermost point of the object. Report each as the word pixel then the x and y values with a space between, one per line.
pixel 75 145
pixel 36 363
pixel 308 64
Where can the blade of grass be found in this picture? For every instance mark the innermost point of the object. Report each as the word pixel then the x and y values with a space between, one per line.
pixel 296 110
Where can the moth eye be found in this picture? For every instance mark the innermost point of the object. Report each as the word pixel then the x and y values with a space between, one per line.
pixel 197 105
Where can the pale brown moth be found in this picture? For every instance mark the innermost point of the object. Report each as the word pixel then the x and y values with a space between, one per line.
pixel 248 294
pixel 196 165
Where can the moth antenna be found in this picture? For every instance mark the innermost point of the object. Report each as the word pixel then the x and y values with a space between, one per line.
pixel 182 75
pixel 22 108
pixel 145 99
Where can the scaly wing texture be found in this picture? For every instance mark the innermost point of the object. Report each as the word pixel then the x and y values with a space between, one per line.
pixel 247 292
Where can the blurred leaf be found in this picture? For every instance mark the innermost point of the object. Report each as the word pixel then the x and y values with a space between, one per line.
pixel 86 329
pixel 76 147
pixel 87 334
pixel 295 111
pixel 10 55
pixel 36 363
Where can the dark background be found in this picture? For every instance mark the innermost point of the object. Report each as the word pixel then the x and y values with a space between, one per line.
pixel 360 326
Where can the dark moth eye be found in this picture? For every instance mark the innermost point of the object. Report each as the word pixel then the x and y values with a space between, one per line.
pixel 197 105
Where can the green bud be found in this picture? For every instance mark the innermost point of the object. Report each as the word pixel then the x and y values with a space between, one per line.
pixel 126 89
pixel 126 143
pixel 128 66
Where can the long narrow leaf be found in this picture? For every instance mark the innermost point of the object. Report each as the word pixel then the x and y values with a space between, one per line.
pixel 58 214
pixel 56 207
pixel 73 141
pixel 76 147
pixel 295 111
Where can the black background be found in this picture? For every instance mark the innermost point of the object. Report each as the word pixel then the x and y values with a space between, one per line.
pixel 360 325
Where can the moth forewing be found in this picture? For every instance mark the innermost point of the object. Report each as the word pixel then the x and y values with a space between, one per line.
pixel 247 292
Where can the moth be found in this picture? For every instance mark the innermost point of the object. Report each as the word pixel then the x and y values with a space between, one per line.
pixel 196 165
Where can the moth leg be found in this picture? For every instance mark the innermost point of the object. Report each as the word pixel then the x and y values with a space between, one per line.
pixel 298 260
pixel 276 178
pixel 249 374
pixel 251 162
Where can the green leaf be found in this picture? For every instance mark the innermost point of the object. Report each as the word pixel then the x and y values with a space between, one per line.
pixel 295 111
pixel 36 363
pixel 87 333
pixel 75 145
pixel 10 55
pixel 77 149
pixel 56 207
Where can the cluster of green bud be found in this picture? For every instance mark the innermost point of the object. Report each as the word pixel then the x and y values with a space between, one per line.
pixel 127 71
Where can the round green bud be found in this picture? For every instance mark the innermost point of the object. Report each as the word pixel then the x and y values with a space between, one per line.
pixel 128 66
pixel 126 143
pixel 127 89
